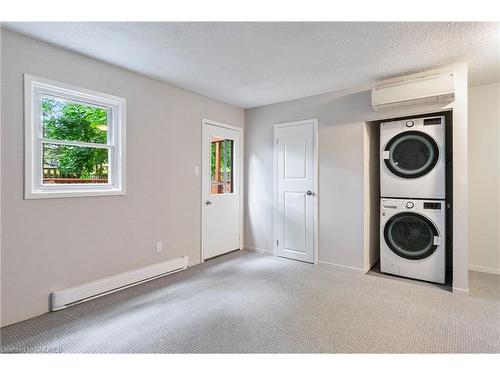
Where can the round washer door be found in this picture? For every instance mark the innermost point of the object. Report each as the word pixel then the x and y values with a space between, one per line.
pixel 412 154
pixel 410 235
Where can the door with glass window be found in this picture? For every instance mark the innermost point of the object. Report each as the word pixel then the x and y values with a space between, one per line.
pixel 221 189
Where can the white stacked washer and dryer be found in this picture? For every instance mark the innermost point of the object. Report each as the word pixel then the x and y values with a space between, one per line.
pixel 412 204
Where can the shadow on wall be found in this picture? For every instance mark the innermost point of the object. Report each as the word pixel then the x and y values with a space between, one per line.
pixel 259 205
pixel 345 109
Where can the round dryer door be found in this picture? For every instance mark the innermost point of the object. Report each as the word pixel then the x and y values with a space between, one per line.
pixel 411 154
pixel 410 235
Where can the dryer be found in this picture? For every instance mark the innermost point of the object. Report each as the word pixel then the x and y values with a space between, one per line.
pixel 413 238
pixel 413 158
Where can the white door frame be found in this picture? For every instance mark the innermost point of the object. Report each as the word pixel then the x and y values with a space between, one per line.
pixel 204 122
pixel 314 122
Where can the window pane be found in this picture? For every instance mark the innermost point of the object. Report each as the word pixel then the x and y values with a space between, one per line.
pixel 221 165
pixel 69 121
pixel 74 164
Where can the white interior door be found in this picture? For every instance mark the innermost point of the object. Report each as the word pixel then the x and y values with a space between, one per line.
pixel 221 173
pixel 295 176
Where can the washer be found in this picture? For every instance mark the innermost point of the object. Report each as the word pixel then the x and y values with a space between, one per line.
pixel 412 238
pixel 413 158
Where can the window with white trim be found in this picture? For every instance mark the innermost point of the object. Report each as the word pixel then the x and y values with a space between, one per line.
pixel 74 141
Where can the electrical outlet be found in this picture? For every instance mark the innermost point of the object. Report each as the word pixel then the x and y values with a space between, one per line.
pixel 159 247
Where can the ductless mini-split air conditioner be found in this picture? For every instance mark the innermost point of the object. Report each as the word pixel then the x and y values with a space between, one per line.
pixel 428 90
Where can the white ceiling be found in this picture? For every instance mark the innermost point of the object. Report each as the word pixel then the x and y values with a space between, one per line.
pixel 253 64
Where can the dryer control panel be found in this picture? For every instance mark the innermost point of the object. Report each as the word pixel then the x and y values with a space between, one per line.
pixel 412 124
pixel 432 205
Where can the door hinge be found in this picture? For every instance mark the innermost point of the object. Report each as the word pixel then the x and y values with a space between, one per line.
pixel 277 243
pixel 277 140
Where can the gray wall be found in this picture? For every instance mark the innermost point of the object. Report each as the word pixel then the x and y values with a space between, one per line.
pixel 1 186
pixel 341 172
pixel 484 165
pixel 371 194
pixel 49 244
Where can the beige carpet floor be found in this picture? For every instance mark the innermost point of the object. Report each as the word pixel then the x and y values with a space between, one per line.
pixel 246 302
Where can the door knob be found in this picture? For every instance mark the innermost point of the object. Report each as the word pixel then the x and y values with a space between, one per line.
pixel 208 203
pixel 309 192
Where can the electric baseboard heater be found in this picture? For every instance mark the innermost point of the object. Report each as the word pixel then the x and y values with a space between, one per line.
pixel 84 292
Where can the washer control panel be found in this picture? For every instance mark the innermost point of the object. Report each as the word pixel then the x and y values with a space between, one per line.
pixel 390 206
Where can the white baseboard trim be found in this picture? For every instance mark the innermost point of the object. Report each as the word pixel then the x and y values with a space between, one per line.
pixel 341 266
pixel 258 250
pixel 473 267
pixel 63 298
pixel 465 292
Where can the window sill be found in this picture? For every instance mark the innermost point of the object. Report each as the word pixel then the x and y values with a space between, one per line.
pixel 59 193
